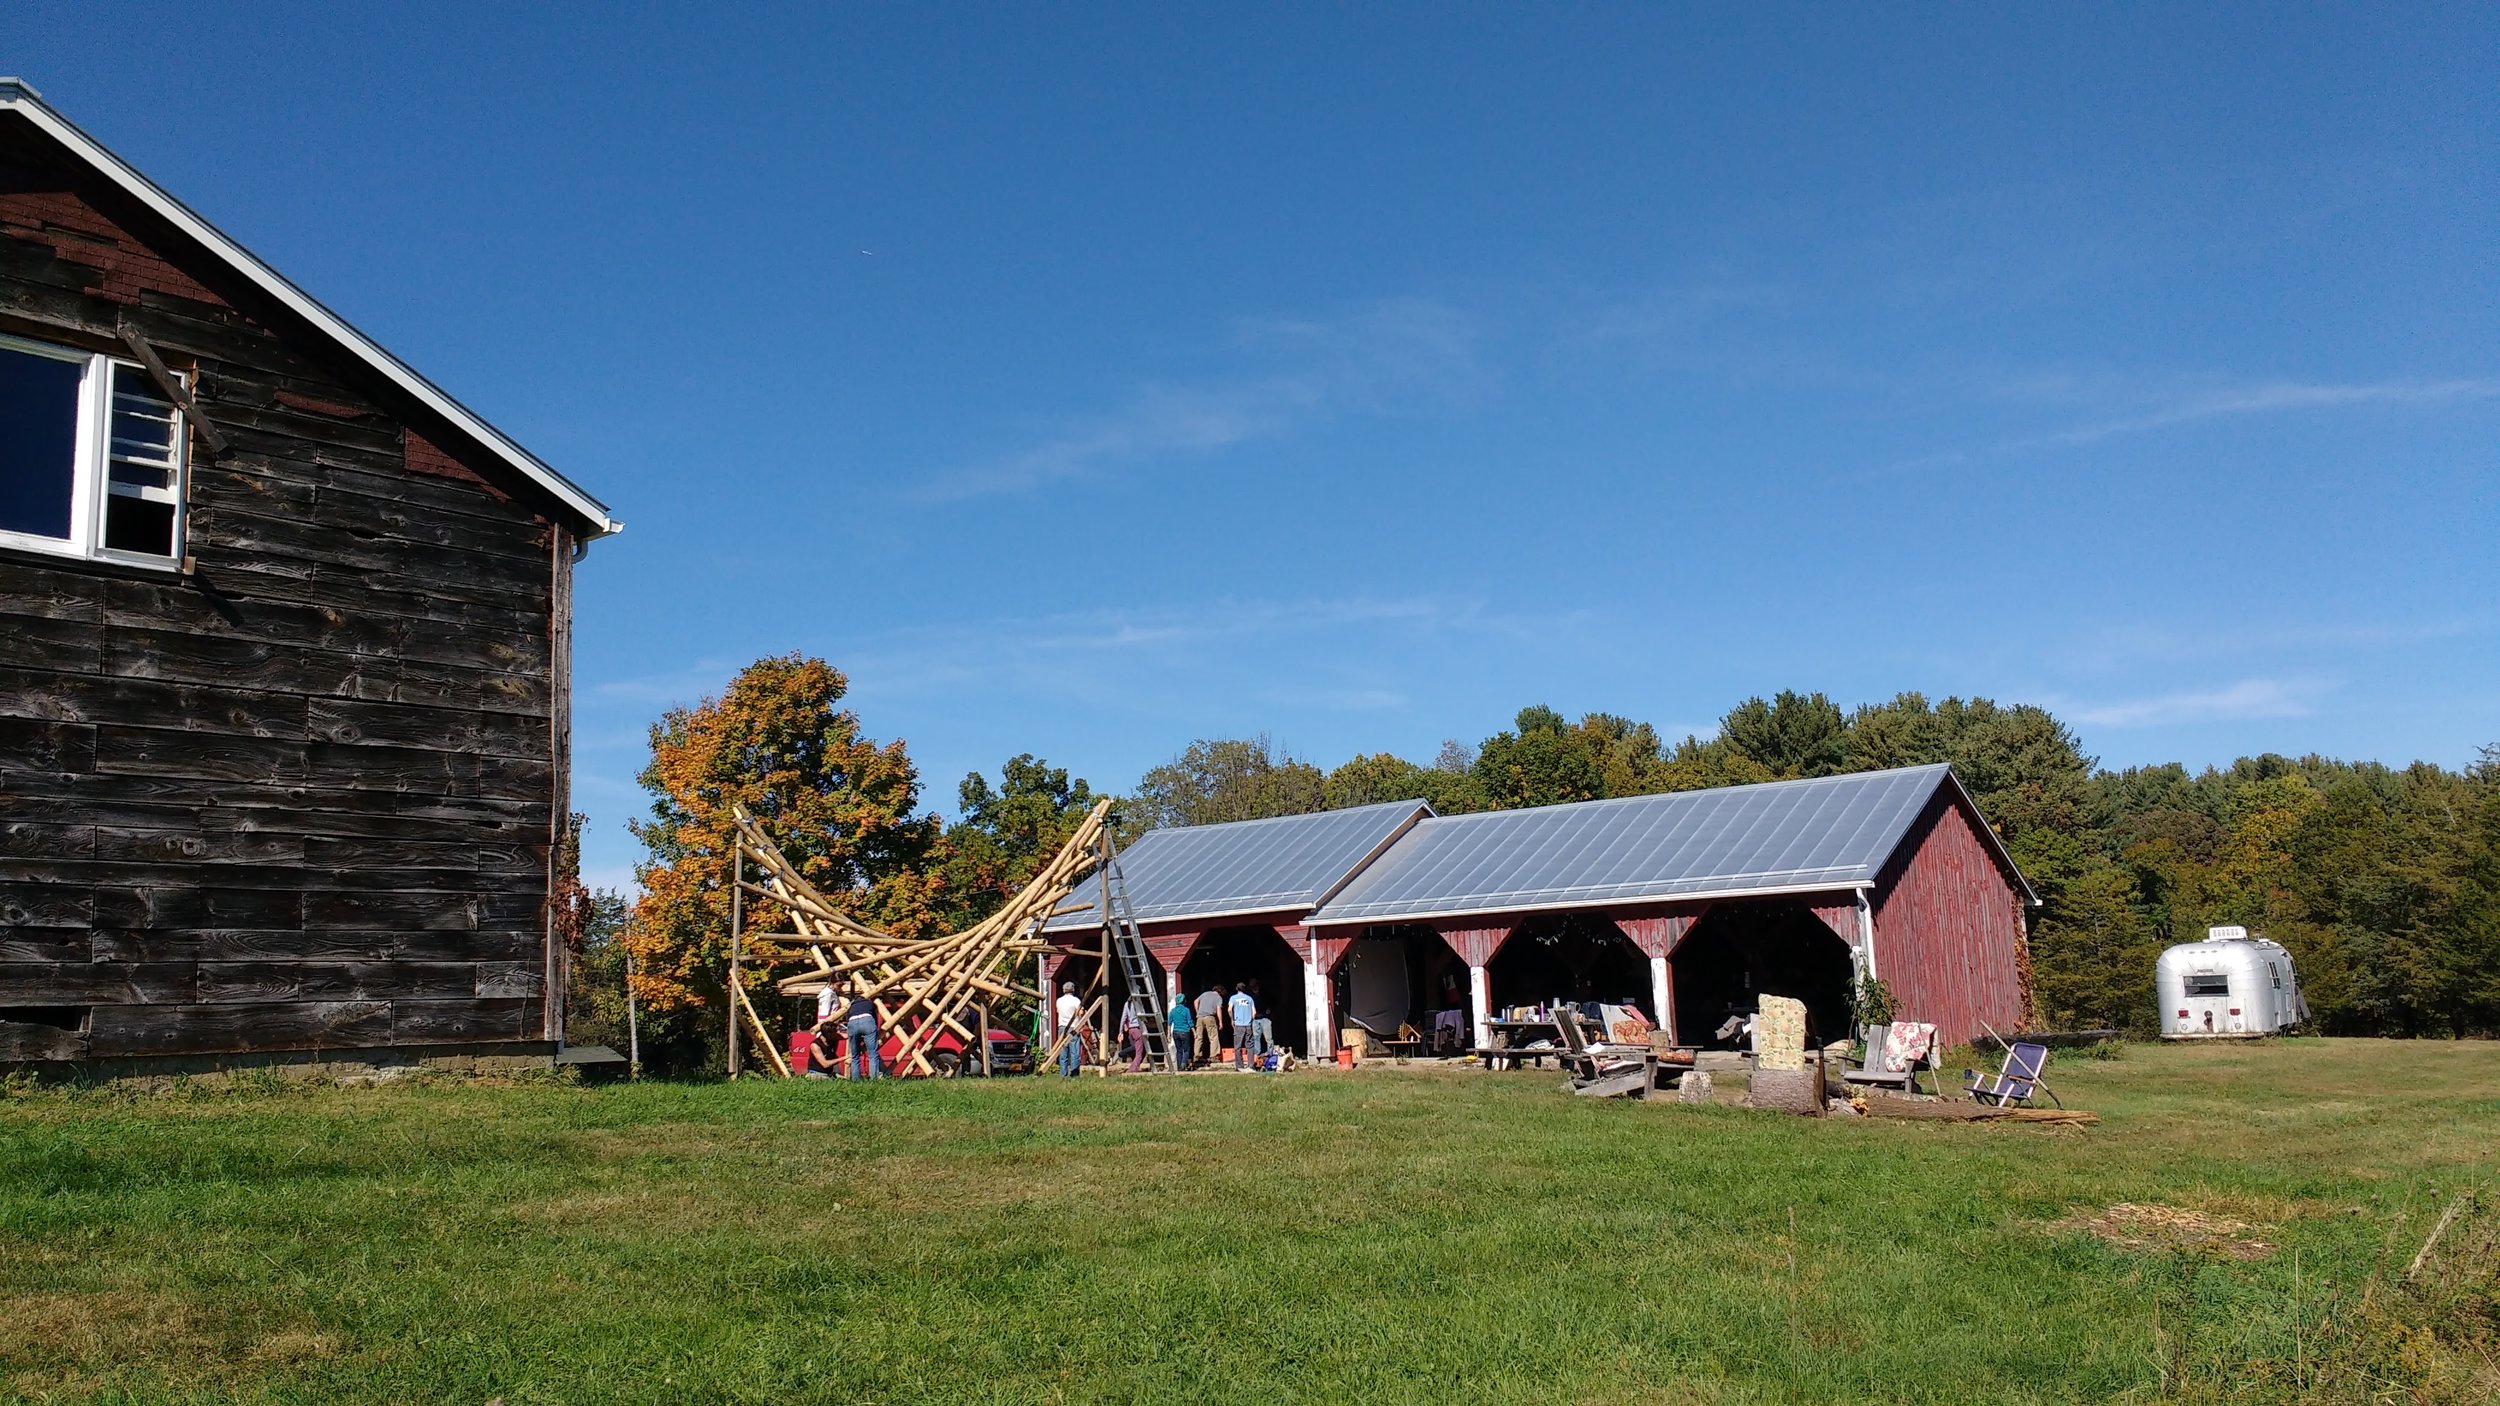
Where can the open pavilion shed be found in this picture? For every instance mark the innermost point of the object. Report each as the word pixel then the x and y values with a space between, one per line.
pixel 1219 904
pixel 1792 888
pixel 1691 905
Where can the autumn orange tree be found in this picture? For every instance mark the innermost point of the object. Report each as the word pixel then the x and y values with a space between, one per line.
pixel 838 804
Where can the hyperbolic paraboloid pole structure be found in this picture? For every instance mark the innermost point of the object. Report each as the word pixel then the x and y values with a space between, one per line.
pixel 923 987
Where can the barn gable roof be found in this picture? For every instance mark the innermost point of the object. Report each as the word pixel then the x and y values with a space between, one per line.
pixel 21 102
pixel 1821 833
pixel 1291 863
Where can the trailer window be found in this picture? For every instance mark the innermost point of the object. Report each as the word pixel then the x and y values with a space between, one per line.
pixel 2277 973
pixel 2208 984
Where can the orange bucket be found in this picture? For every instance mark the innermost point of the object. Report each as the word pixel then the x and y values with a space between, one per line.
pixel 1345 1059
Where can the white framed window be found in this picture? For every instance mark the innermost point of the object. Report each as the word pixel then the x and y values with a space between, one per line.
pixel 91 457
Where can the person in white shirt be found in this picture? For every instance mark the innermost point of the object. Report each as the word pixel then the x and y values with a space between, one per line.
pixel 1071 1049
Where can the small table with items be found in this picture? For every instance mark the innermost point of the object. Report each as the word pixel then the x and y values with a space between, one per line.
pixel 1515 1043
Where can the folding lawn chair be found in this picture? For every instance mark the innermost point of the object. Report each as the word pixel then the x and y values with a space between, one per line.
pixel 2017 1083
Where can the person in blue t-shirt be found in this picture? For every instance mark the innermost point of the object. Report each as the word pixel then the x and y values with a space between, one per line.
pixel 1245 1014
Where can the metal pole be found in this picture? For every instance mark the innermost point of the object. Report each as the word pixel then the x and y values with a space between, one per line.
pixel 737 933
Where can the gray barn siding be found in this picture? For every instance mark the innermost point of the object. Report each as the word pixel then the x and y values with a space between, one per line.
pixel 304 799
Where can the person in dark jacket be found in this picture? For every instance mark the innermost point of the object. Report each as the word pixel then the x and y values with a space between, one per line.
pixel 867 1060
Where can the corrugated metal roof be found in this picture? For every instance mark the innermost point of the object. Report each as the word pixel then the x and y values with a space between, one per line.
pixel 1825 832
pixel 1247 866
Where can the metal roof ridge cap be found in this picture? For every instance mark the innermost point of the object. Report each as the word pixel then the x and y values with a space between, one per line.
pixel 1272 819
pixel 1772 876
pixel 1379 850
pixel 19 95
pixel 1787 781
pixel 1323 920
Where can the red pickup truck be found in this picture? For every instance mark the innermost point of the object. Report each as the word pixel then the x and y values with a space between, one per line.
pixel 1010 1053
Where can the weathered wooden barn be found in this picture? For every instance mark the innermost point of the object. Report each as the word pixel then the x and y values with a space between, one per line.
pixel 284 637
pixel 1690 905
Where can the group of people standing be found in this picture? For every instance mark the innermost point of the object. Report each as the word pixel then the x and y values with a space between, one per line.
pixel 1201 1030
pixel 1198 1029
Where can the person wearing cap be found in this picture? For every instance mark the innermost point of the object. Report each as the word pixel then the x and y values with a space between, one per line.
pixel 1071 1047
pixel 1178 1023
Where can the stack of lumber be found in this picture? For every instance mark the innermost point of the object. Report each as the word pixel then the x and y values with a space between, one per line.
pixel 924 987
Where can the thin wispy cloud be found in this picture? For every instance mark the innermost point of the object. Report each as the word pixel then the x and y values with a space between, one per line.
pixel 678 685
pixel 2148 412
pixel 1090 653
pixel 2237 702
pixel 2127 645
pixel 2270 398
pixel 1353 699
pixel 1385 358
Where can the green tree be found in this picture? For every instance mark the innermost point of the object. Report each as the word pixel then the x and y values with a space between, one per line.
pixel 2092 960
pixel 1630 761
pixel 1543 762
pixel 1791 735
pixel 1699 764
pixel 1006 834
pixel 1244 778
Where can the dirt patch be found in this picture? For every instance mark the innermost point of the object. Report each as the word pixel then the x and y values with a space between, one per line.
pixel 2133 1226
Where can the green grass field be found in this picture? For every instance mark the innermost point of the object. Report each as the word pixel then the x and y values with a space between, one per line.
pixel 1389 1235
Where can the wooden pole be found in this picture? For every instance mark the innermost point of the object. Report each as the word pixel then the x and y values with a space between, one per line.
pixel 763 1033
pixel 633 1027
pixel 737 921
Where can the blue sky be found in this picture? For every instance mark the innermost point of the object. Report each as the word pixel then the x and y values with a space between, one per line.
pixel 1084 380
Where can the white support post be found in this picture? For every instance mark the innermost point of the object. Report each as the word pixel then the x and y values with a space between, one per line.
pixel 1480 991
pixel 1866 938
pixel 1315 1008
pixel 1664 998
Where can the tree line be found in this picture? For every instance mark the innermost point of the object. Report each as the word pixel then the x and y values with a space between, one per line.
pixel 2383 882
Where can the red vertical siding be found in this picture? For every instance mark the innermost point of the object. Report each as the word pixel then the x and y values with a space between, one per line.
pixel 1475 943
pixel 1841 918
pixel 1946 937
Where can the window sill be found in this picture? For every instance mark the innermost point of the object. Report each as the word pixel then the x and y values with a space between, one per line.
pixel 18 546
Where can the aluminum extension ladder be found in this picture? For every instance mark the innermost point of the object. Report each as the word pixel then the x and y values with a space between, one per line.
pixel 1128 945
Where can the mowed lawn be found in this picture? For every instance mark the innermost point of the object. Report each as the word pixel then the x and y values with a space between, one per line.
pixel 1391 1235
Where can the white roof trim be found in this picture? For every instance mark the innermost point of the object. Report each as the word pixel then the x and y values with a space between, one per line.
pixel 16 96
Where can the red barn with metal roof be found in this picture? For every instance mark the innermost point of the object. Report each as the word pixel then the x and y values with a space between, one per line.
pixel 1691 905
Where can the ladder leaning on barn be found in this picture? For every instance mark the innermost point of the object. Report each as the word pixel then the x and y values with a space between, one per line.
pixel 1129 946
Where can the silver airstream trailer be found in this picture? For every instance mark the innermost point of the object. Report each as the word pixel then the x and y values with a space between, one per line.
pixel 2228 987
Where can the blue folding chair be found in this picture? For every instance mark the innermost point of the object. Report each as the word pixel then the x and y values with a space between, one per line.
pixel 2015 1084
